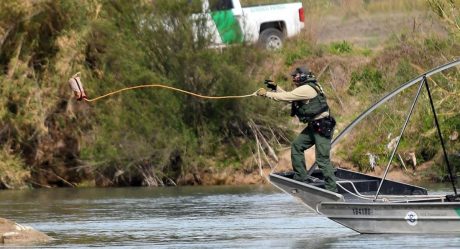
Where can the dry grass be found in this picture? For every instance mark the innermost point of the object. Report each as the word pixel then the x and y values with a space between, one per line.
pixel 263 2
pixel 370 24
pixel 12 172
pixel 347 7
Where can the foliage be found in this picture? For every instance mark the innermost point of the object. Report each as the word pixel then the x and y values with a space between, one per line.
pixel 368 79
pixel 385 123
pixel 143 137
pixel 296 50
pixel 449 12
pixel 342 47
pixel 12 170
pixel 162 48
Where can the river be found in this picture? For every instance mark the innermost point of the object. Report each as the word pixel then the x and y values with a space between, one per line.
pixel 189 217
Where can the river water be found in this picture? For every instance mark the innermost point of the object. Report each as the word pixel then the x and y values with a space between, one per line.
pixel 189 217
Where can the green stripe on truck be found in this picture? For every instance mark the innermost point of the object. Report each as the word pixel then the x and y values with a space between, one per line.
pixel 228 27
pixel 458 211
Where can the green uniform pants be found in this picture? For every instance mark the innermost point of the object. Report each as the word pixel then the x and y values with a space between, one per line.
pixel 306 139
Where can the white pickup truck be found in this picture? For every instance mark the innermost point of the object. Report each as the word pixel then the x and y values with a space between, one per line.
pixel 268 25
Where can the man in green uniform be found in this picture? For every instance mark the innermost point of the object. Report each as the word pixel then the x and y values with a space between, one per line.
pixel 310 106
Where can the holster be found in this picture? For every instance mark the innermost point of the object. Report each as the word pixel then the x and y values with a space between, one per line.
pixel 293 109
pixel 324 126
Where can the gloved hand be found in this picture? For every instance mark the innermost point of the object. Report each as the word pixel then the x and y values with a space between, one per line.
pixel 270 84
pixel 261 92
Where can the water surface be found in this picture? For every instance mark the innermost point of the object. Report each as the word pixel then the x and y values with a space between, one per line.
pixel 189 217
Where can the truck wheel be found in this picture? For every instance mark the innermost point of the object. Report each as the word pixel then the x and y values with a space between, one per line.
pixel 271 39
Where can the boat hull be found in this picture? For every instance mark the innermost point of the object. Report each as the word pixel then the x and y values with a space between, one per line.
pixel 409 210
pixel 410 218
pixel 310 195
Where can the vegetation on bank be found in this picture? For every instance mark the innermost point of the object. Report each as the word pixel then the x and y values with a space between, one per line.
pixel 157 137
pixel 403 58
pixel 149 137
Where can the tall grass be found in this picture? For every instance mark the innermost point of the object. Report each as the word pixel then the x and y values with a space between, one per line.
pixel 13 173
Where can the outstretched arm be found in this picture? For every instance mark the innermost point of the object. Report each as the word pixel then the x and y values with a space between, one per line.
pixel 304 92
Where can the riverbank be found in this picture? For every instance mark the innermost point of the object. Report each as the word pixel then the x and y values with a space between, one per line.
pixel 422 174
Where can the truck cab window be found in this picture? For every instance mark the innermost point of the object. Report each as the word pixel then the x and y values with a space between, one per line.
pixel 216 5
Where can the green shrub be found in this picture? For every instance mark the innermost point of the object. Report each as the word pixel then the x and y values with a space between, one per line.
pixel 368 80
pixel 435 44
pixel 297 49
pixel 342 47
pixel 13 173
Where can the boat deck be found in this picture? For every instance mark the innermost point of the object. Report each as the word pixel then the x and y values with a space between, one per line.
pixel 357 187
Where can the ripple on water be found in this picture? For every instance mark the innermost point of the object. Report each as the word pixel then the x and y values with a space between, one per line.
pixel 190 217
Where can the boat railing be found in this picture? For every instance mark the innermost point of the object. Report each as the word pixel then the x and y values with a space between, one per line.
pixel 413 199
pixel 356 194
pixel 393 199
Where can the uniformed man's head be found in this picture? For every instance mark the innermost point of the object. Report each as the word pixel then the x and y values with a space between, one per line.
pixel 301 75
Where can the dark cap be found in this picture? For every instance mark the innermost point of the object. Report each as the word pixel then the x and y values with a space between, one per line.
pixel 300 70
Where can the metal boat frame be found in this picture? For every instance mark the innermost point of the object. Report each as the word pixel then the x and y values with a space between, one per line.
pixel 369 204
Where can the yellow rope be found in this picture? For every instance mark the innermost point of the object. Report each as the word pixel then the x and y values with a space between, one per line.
pixel 171 88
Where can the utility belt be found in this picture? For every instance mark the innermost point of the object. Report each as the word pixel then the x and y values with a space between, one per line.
pixel 324 126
